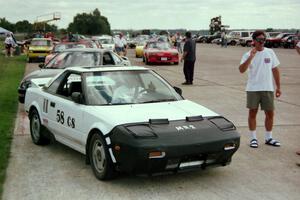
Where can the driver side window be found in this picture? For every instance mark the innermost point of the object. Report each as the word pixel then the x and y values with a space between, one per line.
pixel 107 59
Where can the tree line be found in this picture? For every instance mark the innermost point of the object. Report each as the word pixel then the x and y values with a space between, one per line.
pixel 83 23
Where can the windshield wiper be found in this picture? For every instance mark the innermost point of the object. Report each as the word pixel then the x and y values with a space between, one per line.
pixel 159 100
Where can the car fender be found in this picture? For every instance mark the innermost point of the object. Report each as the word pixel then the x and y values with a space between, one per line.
pixel 35 105
pixel 98 127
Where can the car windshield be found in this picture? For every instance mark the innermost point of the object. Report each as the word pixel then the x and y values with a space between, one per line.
pixel 127 87
pixel 61 47
pixel 71 59
pixel 279 36
pixel 106 41
pixel 41 43
pixel 160 45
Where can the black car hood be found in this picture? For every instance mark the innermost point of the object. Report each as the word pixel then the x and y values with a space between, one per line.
pixel 42 73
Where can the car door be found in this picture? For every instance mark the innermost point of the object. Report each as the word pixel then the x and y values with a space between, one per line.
pixel 64 115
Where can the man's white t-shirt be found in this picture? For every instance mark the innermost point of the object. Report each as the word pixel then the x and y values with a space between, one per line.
pixel 260 75
pixel 298 44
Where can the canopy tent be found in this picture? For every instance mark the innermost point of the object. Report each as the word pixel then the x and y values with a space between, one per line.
pixel 3 30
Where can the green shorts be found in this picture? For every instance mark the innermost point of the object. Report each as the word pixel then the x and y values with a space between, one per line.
pixel 263 98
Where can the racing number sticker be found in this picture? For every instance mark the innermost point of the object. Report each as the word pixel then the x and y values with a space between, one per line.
pixel 60 118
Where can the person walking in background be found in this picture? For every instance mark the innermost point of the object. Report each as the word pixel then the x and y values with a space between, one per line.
pixel 224 39
pixel 262 64
pixel 9 44
pixel 120 44
pixel 189 57
pixel 178 42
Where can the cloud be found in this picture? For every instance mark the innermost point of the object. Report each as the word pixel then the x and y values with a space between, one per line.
pixel 165 14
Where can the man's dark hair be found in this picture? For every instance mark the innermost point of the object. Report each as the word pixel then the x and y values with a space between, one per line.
pixel 188 34
pixel 258 33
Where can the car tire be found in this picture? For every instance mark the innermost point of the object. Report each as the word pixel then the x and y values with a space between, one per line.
pixel 29 60
pixel 100 160
pixel 275 45
pixel 232 43
pixel 175 63
pixel 143 59
pixel 249 44
pixel 37 130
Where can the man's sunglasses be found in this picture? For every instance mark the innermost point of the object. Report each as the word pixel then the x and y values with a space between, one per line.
pixel 260 39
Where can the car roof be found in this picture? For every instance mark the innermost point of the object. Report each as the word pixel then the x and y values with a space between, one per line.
pixel 105 68
pixel 86 50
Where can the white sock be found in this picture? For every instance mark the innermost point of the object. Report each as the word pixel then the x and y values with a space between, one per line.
pixel 253 135
pixel 268 135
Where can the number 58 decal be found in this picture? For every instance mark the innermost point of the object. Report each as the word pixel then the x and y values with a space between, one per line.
pixel 60 118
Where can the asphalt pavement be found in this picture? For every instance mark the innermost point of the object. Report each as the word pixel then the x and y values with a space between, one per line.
pixel 266 173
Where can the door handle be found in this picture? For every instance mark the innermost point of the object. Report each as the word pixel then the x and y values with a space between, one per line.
pixel 52 104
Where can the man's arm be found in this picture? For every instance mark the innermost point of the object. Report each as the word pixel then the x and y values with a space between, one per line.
pixel 298 49
pixel 276 76
pixel 243 67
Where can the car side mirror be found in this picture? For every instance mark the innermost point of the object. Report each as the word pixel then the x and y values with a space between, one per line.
pixel 124 57
pixel 41 65
pixel 77 97
pixel 178 90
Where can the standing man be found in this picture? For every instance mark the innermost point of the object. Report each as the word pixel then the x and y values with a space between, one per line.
pixel 298 47
pixel 263 67
pixel 189 57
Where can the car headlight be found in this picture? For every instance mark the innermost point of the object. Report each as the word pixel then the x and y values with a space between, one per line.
pixel 25 84
pixel 222 123
pixel 141 131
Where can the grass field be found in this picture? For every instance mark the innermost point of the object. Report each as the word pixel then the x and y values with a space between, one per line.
pixel 11 72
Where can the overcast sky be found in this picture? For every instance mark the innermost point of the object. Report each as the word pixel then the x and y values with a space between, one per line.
pixel 163 14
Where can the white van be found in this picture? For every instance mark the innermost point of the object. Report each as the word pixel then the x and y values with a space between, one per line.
pixel 234 36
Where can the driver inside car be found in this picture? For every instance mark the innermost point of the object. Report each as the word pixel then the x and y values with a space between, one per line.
pixel 127 92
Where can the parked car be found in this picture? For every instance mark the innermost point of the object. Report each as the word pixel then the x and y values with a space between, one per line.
pixel 208 38
pixel 39 48
pixel 247 41
pixel 290 41
pixel 128 119
pixel 160 52
pixel 139 49
pixel 70 58
pixel 106 41
pixel 234 37
pixel 276 42
pixel 60 47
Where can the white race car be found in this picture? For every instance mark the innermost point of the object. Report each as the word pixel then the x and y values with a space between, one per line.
pixel 128 119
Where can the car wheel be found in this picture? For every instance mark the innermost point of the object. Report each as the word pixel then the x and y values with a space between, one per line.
pixel 233 43
pixel 175 63
pixel 204 40
pixel 146 61
pixel 37 129
pixel 249 44
pixel 101 163
pixel 143 59
pixel 29 60
pixel 275 45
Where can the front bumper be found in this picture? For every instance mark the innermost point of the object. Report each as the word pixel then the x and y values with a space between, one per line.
pixel 22 93
pixel 178 153
pixel 163 59
pixel 38 55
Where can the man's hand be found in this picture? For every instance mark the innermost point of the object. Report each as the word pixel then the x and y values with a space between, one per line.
pixel 278 93
pixel 253 52
pixel 181 59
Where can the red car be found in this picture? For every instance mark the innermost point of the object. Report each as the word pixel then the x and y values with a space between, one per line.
pixel 160 52
pixel 276 42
